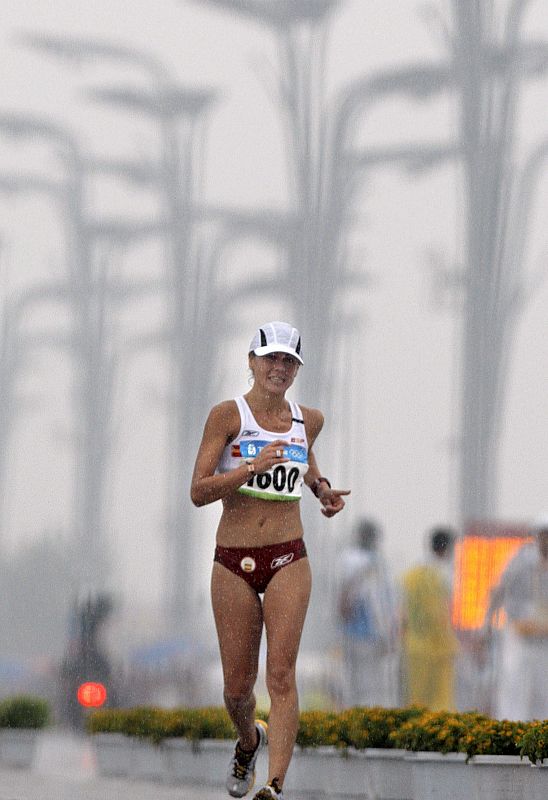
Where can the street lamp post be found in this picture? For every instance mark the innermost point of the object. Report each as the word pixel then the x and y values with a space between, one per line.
pixel 11 363
pixel 191 330
pixel 85 293
pixel 179 114
pixel 314 276
pixel 197 303
pixel 489 77
pixel 325 173
pixel 485 76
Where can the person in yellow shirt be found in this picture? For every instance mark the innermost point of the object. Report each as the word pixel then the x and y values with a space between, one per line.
pixel 429 641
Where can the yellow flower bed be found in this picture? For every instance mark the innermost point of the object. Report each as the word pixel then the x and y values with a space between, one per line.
pixel 161 723
pixel 469 732
pixel 409 728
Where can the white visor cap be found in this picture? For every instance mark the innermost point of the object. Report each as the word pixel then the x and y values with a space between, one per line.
pixel 277 337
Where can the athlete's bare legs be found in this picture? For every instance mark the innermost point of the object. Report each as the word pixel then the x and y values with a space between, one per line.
pixel 239 619
pixel 284 609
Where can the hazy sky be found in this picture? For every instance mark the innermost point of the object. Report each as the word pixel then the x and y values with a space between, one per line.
pixel 402 375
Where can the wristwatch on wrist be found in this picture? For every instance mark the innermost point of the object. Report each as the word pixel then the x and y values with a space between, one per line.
pixel 316 485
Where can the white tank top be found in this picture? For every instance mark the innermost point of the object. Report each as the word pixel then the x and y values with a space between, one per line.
pixel 281 482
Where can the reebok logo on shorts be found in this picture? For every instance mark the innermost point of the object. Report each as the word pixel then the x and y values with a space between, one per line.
pixel 257 565
pixel 281 561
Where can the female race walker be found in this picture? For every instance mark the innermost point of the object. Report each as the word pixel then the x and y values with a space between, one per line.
pixel 255 454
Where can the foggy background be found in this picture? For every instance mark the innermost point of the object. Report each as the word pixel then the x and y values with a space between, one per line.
pixel 164 191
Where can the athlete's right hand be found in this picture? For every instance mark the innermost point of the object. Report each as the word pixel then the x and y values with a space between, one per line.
pixel 268 457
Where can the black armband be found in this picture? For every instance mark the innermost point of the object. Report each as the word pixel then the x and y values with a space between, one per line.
pixel 315 485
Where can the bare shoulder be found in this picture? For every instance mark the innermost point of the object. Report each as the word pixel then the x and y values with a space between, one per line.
pixel 313 421
pixel 224 418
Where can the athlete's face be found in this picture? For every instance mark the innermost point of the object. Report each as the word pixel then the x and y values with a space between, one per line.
pixel 274 372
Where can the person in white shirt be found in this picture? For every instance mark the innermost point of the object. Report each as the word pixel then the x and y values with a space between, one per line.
pixel 522 592
pixel 368 616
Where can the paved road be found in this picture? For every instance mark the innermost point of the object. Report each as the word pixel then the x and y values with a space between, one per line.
pixel 64 769
pixel 25 785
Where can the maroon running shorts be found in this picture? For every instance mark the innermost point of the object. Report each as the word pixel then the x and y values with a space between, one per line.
pixel 258 565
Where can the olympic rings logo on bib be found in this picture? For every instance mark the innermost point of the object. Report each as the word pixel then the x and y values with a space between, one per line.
pixel 248 564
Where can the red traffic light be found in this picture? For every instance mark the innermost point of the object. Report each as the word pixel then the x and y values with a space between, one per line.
pixel 91 695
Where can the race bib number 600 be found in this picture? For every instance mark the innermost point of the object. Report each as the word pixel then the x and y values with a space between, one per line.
pixel 280 479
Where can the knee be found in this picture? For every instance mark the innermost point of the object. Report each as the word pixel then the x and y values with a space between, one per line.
pixel 238 690
pixel 280 680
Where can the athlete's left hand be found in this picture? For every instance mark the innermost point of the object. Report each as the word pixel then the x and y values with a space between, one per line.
pixel 332 501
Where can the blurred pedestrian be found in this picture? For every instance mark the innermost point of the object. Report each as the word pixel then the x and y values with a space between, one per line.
pixel 429 641
pixel 368 617
pixel 522 592
pixel 255 455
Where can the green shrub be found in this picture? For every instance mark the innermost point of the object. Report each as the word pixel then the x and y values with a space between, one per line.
pixel 409 728
pixel 372 727
pixel 196 724
pixel 24 711
pixel 534 743
pixel 161 723
pixel 436 731
pixel 319 729
pixel 497 737
pixel 112 720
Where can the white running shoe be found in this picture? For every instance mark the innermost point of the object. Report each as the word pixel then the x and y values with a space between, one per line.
pixel 270 792
pixel 241 773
